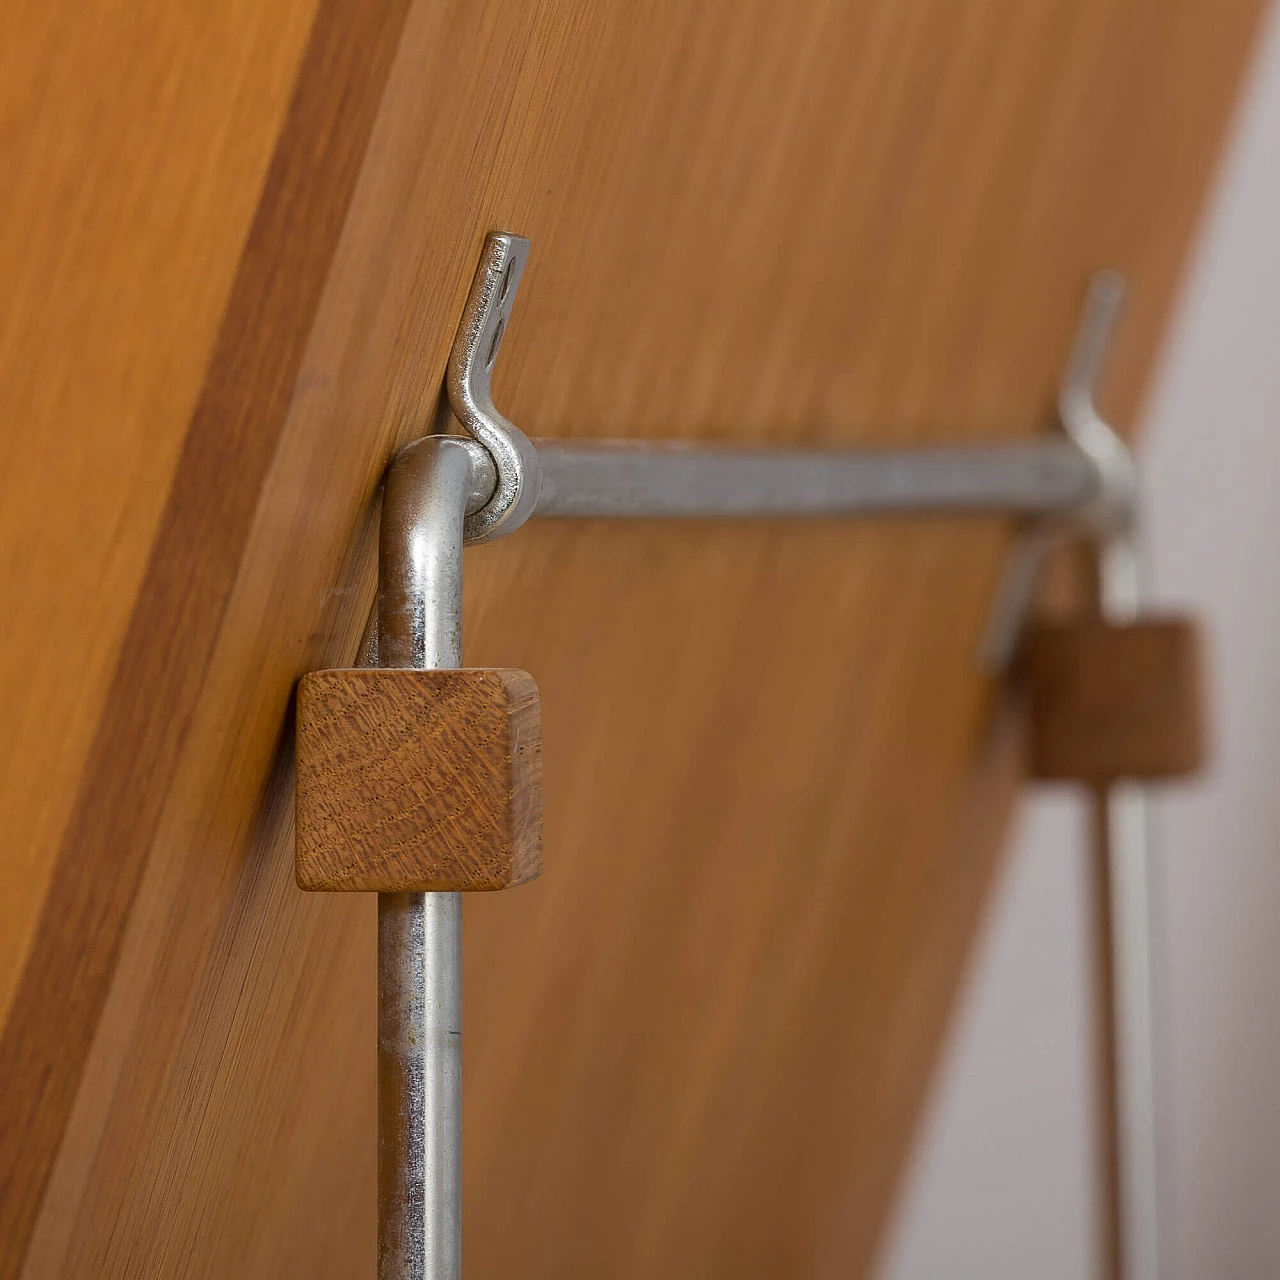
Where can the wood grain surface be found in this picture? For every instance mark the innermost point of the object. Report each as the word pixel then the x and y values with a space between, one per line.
pixel 127 200
pixel 273 271
pixel 696 1046
pixel 1109 701
pixel 418 781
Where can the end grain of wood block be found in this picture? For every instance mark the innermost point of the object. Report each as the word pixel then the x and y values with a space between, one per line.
pixel 1115 701
pixel 418 781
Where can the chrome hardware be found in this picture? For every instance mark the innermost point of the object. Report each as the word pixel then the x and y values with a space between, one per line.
pixel 445 489
pixel 475 351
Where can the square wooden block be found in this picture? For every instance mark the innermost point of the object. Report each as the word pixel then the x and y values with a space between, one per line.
pixel 418 780
pixel 1112 701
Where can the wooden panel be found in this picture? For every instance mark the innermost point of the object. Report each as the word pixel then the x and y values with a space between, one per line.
pixel 418 781
pixel 127 199
pixel 160 659
pixel 749 221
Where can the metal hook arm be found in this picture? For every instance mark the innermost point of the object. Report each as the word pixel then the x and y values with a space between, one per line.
pixel 475 349
pixel 1109 513
pixel 1112 511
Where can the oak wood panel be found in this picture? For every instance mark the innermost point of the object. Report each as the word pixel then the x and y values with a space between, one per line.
pixel 163 652
pixel 136 139
pixel 749 222
pixel 418 781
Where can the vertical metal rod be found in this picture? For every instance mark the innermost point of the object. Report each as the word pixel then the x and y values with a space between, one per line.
pixel 429 488
pixel 1107 1127
pixel 1121 824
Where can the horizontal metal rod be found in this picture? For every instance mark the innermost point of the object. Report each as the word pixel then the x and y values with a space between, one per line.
pixel 648 480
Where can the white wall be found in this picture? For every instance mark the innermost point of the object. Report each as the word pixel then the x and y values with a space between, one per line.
pixel 1001 1184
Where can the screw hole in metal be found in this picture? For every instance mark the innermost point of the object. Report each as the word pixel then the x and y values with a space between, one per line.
pixel 506 282
pixel 493 346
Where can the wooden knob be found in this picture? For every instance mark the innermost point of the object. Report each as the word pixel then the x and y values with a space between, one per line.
pixel 1111 701
pixel 418 780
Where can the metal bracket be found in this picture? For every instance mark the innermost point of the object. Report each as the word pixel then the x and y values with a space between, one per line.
pixel 1083 483
pixel 1108 515
pixel 475 349
pixel 445 490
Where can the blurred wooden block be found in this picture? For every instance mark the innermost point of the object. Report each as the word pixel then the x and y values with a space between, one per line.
pixel 418 780
pixel 1115 701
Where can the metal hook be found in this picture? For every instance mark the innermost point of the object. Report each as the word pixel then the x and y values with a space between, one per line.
pixel 1112 511
pixel 475 350
pixel 1106 513
pixel 1109 513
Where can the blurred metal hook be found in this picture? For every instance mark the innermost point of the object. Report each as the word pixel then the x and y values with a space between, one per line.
pixel 1109 514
